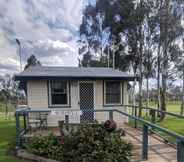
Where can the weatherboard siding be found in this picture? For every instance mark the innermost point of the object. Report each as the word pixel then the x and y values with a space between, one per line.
pixel 99 103
pixel 38 98
pixel 37 94
pixel 99 116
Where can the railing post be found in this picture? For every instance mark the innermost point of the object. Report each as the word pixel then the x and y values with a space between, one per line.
pixel 17 130
pixel 67 122
pixel 25 120
pixel 153 116
pixel 135 121
pixel 145 142
pixel 111 115
pixel 180 151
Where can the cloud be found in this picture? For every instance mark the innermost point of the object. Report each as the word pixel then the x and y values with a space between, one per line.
pixel 48 29
pixel 46 48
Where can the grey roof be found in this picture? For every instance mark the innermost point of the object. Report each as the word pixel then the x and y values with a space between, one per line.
pixel 48 72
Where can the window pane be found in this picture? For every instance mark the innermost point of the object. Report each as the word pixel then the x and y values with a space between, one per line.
pixel 59 99
pixel 58 87
pixel 59 93
pixel 113 92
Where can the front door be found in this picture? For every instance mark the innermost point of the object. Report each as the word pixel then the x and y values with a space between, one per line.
pixel 87 101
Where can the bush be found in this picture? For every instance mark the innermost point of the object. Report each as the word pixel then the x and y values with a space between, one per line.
pixel 88 143
pixel 49 146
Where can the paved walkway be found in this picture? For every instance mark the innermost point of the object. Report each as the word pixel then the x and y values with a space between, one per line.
pixel 158 151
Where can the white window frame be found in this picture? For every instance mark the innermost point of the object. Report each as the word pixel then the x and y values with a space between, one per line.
pixel 121 93
pixel 68 95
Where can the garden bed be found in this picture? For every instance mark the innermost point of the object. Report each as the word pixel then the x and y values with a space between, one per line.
pixel 87 143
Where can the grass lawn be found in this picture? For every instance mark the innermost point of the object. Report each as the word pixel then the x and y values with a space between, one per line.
pixel 170 106
pixel 7 138
pixel 172 123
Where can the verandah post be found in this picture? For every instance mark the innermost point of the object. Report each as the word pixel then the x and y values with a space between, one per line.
pixel 67 122
pixel 25 120
pixel 17 130
pixel 180 151
pixel 111 115
pixel 145 142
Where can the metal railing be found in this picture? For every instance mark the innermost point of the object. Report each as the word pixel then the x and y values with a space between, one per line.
pixel 155 110
pixel 147 125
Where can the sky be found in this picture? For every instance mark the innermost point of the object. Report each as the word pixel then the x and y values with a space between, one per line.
pixel 49 29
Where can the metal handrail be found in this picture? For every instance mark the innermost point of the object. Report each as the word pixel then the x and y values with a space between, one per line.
pixel 160 111
pixel 155 126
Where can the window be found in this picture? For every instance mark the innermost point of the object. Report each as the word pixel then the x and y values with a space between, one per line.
pixel 113 91
pixel 59 93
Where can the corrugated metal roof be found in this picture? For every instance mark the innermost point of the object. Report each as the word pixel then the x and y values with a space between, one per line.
pixel 46 72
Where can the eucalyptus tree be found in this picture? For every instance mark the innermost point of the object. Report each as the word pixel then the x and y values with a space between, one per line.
pixel 104 24
pixel 150 30
pixel 169 22
pixel 123 23
pixel 181 68
pixel 179 64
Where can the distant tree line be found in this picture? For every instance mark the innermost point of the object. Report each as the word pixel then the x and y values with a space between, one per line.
pixel 173 94
pixel 12 92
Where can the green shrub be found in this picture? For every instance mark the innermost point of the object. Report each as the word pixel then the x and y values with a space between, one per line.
pixel 87 143
pixel 45 146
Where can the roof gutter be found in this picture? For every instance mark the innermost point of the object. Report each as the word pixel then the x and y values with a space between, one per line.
pixel 26 78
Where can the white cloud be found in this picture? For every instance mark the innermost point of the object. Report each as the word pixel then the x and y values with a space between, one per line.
pixel 48 29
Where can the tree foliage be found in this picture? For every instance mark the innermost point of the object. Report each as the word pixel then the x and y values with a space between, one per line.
pixel 32 61
pixel 143 35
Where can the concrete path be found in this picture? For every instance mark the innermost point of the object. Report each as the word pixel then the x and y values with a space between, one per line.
pixel 158 150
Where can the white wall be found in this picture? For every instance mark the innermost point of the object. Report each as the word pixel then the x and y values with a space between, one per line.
pixel 37 96
pixel 102 116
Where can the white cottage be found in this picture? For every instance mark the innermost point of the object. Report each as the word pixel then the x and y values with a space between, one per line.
pixel 76 88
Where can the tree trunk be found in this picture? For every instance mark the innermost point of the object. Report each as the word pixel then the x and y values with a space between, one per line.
pixel 147 94
pixel 182 103
pixel 134 101
pixel 140 69
pixel 164 34
pixel 140 97
pixel 158 78
pixel 164 86
pixel 6 110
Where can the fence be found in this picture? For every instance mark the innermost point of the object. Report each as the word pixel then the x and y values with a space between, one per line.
pixel 91 116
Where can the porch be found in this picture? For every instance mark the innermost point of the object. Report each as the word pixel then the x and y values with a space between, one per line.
pixel 153 150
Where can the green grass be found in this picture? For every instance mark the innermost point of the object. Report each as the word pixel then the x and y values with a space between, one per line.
pixel 170 106
pixel 7 140
pixel 170 122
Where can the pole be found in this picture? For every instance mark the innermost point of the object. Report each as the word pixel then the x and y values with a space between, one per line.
pixel 20 53
pixel 145 142
pixel 20 58
pixel 134 110
pixel 182 102
pixel 108 56
pixel 113 55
